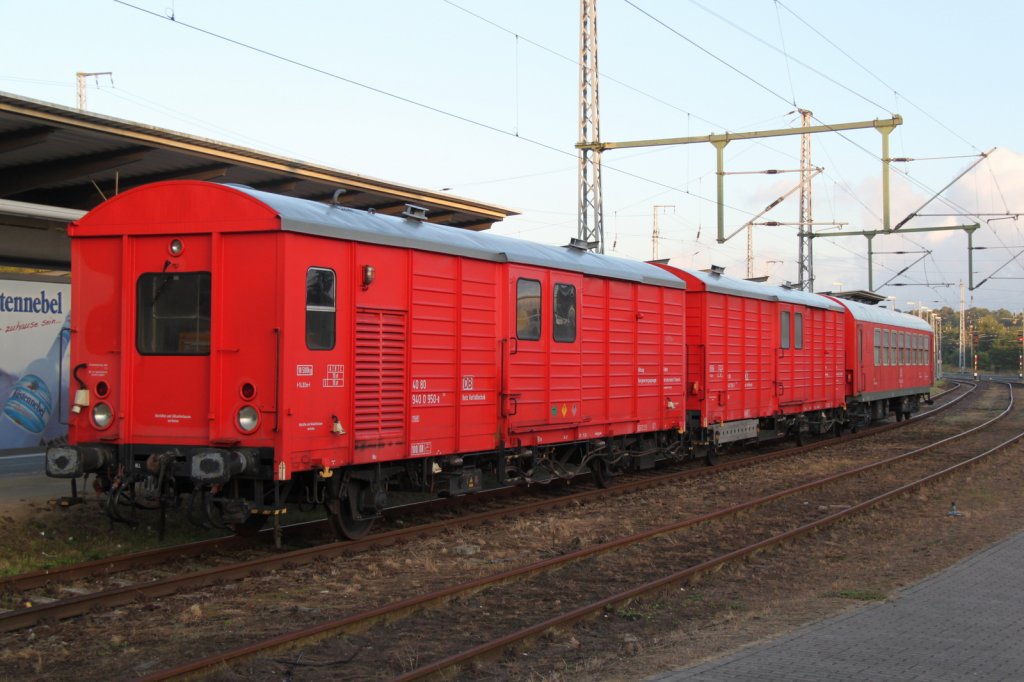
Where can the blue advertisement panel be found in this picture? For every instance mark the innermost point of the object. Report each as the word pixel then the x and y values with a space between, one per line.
pixel 34 333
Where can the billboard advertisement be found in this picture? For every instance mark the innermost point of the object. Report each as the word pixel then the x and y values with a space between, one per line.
pixel 34 334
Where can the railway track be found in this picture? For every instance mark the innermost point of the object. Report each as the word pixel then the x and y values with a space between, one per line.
pixel 175 576
pixel 603 575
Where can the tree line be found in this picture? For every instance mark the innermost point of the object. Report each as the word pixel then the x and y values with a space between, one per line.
pixel 994 335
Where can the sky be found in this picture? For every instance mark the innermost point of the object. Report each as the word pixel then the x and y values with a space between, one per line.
pixel 479 98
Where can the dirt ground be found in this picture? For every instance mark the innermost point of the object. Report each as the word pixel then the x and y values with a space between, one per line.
pixel 869 558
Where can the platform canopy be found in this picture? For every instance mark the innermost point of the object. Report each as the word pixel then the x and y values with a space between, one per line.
pixel 57 162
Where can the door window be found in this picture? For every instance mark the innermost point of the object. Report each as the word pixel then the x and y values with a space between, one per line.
pixel 173 313
pixel 321 308
pixel 528 309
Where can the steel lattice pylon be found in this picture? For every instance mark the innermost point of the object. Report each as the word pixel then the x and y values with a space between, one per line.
pixel 590 208
pixel 805 277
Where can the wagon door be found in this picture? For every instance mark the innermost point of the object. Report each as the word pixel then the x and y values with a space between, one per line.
pixel 169 347
pixel 794 367
pixel 542 360
pixel 861 360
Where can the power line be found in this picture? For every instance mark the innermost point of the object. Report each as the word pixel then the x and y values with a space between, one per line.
pixel 350 81
pixel 385 93
pixel 872 74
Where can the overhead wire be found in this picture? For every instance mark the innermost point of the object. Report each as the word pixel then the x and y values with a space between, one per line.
pixel 515 133
pixel 392 95
pixel 873 75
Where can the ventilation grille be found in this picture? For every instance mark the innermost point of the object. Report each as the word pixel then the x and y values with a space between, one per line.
pixel 380 378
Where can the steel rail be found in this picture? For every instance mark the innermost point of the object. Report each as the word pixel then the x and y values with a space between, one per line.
pixel 589 610
pixel 153 557
pixel 363 620
pixel 119 596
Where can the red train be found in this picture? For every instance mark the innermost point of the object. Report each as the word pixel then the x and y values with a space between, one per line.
pixel 256 351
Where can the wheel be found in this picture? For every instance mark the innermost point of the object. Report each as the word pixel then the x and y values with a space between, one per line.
pixel 711 456
pixel 602 471
pixel 341 511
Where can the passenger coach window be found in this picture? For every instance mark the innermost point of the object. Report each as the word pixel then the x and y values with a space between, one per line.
pixel 885 347
pixel 565 313
pixel 528 309
pixel 320 309
pixel 784 328
pixel 798 331
pixel 173 313
pixel 878 347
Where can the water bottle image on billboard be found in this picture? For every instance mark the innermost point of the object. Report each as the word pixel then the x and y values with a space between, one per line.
pixel 31 402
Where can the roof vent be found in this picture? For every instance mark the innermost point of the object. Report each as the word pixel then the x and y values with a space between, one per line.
pixel 716 269
pixel 415 212
pixel 581 244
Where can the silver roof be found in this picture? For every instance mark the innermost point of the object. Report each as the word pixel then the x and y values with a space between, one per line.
pixel 722 284
pixel 340 222
pixel 872 313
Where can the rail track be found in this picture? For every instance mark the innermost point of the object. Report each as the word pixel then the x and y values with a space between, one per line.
pixel 38 588
pixel 534 584
pixel 607 574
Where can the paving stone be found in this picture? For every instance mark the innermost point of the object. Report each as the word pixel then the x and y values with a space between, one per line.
pixel 964 623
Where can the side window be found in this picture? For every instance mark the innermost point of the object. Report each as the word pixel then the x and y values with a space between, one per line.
pixel 878 347
pixel 798 331
pixel 565 313
pixel 902 349
pixel 528 309
pixel 885 346
pixel 320 308
pixel 784 328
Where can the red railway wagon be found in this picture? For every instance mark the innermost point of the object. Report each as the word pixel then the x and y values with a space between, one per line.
pixel 890 362
pixel 256 350
pixel 762 361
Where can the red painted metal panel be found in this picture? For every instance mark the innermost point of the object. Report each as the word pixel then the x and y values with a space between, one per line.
pixel 245 340
pixel 735 363
pixel 97 322
pixel 900 368
pixel 453 355
pixel 481 308
pixel 624 372
pixel 810 375
pixel 178 207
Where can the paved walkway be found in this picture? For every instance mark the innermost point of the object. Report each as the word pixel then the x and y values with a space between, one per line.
pixel 966 623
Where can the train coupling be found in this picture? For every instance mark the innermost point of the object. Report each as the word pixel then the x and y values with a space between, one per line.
pixel 70 461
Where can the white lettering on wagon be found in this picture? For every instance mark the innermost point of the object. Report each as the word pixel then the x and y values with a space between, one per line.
pixel 172 418
pixel 335 376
